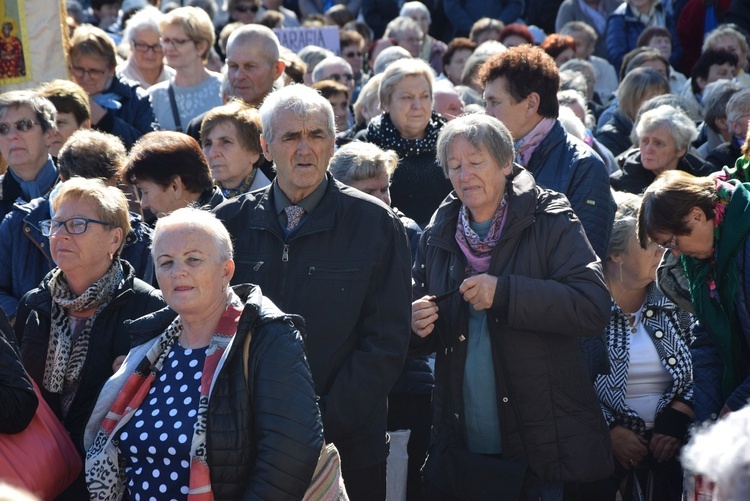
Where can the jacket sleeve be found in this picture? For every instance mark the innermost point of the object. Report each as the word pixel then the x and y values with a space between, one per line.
pixel 591 199
pixel 459 18
pixel 382 334
pixel 142 120
pixel 616 44
pixel 707 371
pixel 417 345
pixel 8 302
pixel 573 299
pixel 511 11
pixel 18 401
pixel 288 430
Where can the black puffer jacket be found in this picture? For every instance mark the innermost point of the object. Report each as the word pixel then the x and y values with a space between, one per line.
pixel 265 447
pixel 615 134
pixel 634 178
pixel 18 400
pixel 109 339
pixel 550 291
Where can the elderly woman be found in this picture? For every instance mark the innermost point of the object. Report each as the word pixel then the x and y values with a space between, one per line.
pixel 703 221
pixel 146 62
pixel 365 108
pixel 647 397
pixel 664 137
pixel 660 39
pixel 502 301
pixel 187 36
pixel 587 49
pixel 367 168
pixel 406 33
pixel 637 87
pixel 73 112
pixel 229 435
pixel 170 171
pixel 231 143
pixel 72 327
pixel 432 49
pixel 118 106
pixel 738 114
pixel 410 128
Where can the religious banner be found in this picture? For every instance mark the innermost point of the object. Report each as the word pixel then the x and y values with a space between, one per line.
pixel 295 39
pixel 33 41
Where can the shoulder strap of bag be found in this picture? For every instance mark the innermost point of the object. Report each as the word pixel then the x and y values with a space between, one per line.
pixel 175 111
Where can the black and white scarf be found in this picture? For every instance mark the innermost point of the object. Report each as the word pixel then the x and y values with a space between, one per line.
pixel 65 359
pixel 384 134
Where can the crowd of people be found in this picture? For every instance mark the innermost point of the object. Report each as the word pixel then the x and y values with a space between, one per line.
pixel 515 228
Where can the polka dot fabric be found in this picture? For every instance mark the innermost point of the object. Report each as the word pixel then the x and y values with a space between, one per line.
pixel 155 443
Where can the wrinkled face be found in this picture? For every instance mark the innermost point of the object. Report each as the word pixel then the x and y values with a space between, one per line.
pixel 501 105
pixel 66 126
pixel 663 45
pixel 411 41
pixel 698 243
pixel 411 106
pixel 659 151
pixel 158 199
pixel 300 150
pixel 449 105
pixel 740 125
pixel 638 264
pixel 478 179
pixel 378 186
pixel 91 73
pixel 25 151
pixel 353 56
pixel 230 162
pixel 251 73
pixel 77 255
pixel 564 57
pixel 340 105
pixel 179 49
pixel 191 275
pixel 245 11
pixel 147 51
pixel 456 67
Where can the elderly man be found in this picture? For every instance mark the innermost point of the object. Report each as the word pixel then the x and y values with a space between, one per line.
pixel 341 260
pixel 334 68
pixel 448 102
pixel 253 64
pixel 27 124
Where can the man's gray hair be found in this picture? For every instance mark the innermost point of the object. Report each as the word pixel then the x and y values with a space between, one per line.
pixel 738 105
pixel 194 218
pixel 388 56
pixel 716 95
pixel 400 25
pixel 674 120
pixel 478 130
pixel 302 100
pixel 320 68
pixel 257 34
pixel 45 111
pixel 358 161
pixel 410 7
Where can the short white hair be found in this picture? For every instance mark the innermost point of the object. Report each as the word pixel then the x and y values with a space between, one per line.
pixel 410 7
pixel 147 18
pixel 194 218
pixel 302 100
pixel 320 68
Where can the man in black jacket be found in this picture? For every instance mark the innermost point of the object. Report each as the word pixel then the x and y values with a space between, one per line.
pixel 340 259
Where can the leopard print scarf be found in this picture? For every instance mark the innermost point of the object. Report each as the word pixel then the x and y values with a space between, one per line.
pixel 65 359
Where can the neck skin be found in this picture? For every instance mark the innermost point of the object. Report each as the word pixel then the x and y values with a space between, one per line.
pixel 628 296
pixel 80 282
pixel 192 74
pixel 30 172
pixel 151 76
pixel 200 327
pixel 533 122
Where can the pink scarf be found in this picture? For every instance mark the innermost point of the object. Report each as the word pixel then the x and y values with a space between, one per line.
pixel 527 144
pixel 478 252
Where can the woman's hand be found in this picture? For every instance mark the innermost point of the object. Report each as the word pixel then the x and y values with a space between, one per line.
pixel 628 447
pixel 479 290
pixel 663 447
pixel 97 112
pixel 423 316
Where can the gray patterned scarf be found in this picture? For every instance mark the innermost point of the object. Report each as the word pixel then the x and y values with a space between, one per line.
pixel 65 359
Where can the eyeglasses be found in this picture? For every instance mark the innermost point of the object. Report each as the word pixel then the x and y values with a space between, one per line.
pixel 21 126
pixel 174 42
pixel 670 244
pixel 93 73
pixel 246 8
pixel 339 77
pixel 74 225
pixel 144 47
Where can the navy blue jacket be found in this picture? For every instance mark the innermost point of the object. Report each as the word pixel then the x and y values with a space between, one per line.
pixel 135 116
pixel 563 163
pixel 25 257
pixel 623 30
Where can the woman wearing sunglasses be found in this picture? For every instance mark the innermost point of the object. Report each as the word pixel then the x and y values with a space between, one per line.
pixel 72 328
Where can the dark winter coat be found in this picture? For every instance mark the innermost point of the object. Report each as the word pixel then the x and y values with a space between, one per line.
pixel 633 178
pixel 18 401
pixel 550 292
pixel 135 116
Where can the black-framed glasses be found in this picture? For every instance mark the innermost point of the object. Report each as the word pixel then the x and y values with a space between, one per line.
pixel 21 126
pixel 92 72
pixel 243 9
pixel 347 77
pixel 74 225
pixel 144 47
pixel 670 244
pixel 174 42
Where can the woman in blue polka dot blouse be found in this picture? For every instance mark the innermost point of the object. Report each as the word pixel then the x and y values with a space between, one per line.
pixel 218 402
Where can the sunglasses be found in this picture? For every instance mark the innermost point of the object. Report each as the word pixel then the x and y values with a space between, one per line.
pixel 21 126
pixel 246 8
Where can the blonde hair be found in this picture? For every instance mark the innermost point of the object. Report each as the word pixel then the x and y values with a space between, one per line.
pixel 195 23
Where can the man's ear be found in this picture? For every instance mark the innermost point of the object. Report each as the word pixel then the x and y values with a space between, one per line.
pixel 266 150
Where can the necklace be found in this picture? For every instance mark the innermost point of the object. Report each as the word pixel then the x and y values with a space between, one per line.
pixel 634 319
